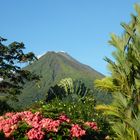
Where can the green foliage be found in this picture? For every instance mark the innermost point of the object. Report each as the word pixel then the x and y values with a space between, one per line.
pixel 67 85
pixel 82 110
pixel 63 133
pixel 67 89
pixel 2 135
pixel 105 84
pixel 19 134
pixel 53 67
pixel 124 82
pixel 5 107
pixel 12 76
pixel 75 100
pixel 79 110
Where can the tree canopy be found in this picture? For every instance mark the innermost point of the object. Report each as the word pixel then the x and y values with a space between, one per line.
pixel 12 76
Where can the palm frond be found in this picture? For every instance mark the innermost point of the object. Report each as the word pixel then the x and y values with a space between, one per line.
pixel 105 84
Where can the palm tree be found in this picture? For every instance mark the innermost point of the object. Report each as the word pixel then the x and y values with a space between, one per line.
pixel 124 82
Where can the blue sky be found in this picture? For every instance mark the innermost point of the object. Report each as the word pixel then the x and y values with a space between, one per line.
pixel 78 27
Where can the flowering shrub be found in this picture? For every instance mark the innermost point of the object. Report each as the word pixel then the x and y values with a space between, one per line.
pixel 76 131
pixel 92 125
pixel 33 126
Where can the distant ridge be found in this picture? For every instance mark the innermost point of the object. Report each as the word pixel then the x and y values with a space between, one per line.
pixel 54 66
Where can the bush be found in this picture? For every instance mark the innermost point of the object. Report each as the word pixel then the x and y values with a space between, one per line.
pixel 33 126
pixel 78 111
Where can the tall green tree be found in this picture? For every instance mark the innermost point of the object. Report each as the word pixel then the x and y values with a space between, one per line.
pixel 12 76
pixel 124 82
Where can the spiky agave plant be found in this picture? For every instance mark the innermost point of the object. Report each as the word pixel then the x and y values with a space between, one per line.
pixel 68 90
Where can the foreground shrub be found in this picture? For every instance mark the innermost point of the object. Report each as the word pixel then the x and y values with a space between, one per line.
pixel 33 126
pixel 80 110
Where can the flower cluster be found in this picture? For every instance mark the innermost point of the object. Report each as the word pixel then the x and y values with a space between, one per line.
pixel 64 118
pixel 92 125
pixel 35 134
pixel 77 131
pixel 39 126
pixel 8 123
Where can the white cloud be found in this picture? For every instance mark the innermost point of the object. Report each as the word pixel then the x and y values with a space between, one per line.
pixel 61 52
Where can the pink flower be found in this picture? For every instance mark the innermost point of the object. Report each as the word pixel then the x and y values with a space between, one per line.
pixel 32 119
pixel 64 118
pixel 77 131
pixel 9 114
pixel 35 134
pixel 6 128
pixel 8 134
pixel 92 125
pixel 2 123
pixel 54 126
pixel 1 118
pixel 10 121
pixel 45 122
pixel 50 125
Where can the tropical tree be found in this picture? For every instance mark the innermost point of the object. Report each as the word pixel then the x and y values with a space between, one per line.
pixel 124 82
pixel 68 89
pixel 12 76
